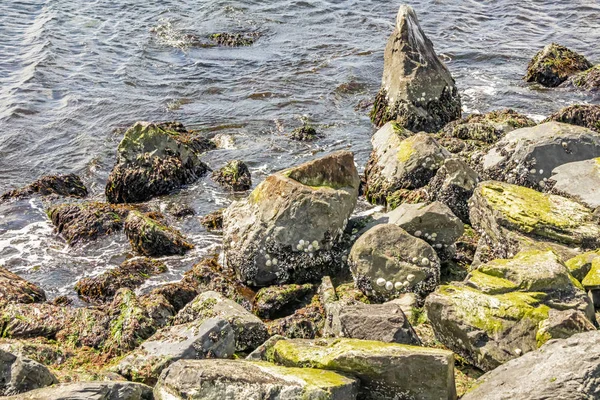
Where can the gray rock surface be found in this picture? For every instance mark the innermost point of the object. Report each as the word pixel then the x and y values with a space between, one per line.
pixel 578 180
pixel 90 391
pixel 20 374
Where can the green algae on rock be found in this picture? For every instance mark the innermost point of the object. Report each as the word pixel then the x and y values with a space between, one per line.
pixel 580 265
pixel 14 289
pixel 213 221
pixel 151 238
pixel 554 64
pixel 234 39
pixel 586 115
pixel 235 176
pixel 62 185
pixel 279 301
pixel 305 323
pixel 588 80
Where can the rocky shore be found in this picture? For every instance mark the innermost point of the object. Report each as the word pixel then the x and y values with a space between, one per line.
pixel 473 274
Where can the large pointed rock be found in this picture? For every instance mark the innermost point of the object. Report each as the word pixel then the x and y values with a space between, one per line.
pixel 417 88
pixel 289 228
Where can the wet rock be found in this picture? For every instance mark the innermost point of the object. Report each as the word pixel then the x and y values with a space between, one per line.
pixel 587 80
pixel 149 237
pixel 90 391
pixel 578 180
pixel 152 160
pixel 181 211
pixel 234 39
pixel 586 115
pixel 14 289
pixel 279 301
pixel 386 261
pixel 561 369
pixel 417 89
pixel 386 370
pixel 304 323
pixel 213 338
pixel 62 185
pixel 305 133
pixel 130 274
pixel 527 156
pixel 400 160
pixel 19 375
pixel 250 332
pixel 83 222
pixel 453 185
pixel 213 221
pixel 220 379
pixel 498 312
pixel 176 294
pixel 552 65
pixel 234 176
pixel 289 228
pixel 435 223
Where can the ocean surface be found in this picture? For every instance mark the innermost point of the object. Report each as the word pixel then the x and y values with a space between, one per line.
pixel 75 74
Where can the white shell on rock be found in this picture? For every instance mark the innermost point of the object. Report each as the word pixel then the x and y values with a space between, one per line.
pixel 389 285
pixel 380 282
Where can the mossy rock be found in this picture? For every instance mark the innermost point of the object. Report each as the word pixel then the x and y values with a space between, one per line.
pixel 586 115
pixel 304 323
pixel 229 39
pixel 305 133
pixel 580 265
pixel 61 185
pixel 554 64
pixel 279 301
pixel 587 80
pixel 151 238
pixel 592 279
pixel 234 176
pixel 213 221
pixel 14 289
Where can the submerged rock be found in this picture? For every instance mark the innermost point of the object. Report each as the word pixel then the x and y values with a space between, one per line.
pixel 586 115
pixel 89 391
pixel 578 180
pixel 62 185
pixel 305 133
pixel 587 80
pixel 234 39
pixel 235 176
pixel 221 379
pixel 417 89
pixel 152 160
pixel 279 301
pixel 19 375
pixel 289 228
pixel 213 221
pixel 149 237
pixel 14 289
pixel 554 64
pixel 561 369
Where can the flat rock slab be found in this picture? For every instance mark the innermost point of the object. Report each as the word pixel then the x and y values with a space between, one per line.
pixel 579 180
pixel 228 379
pixel 90 391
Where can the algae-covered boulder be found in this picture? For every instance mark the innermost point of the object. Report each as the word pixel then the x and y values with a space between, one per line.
pixel 228 379
pixel 400 160
pixel 386 370
pixel 130 274
pixel 305 323
pixel 386 261
pixel 152 160
pixel 580 265
pixel 149 237
pixel 586 115
pixel 235 176
pixel 279 301
pixel 250 332
pixel 554 64
pixel 81 222
pixel 588 80
pixel 90 391
pixel 213 221
pixel 417 89
pixel 578 180
pixel 290 227
pixel 62 185
pixel 305 133
pixel 561 369
pixel 234 39
pixel 19 374
pixel 498 312
pixel 14 289
pixel 527 156
pixel 592 278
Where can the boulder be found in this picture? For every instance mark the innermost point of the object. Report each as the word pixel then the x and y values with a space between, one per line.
pixel 304 323
pixel 212 338
pixel 250 332
pixel 554 64
pixel 592 278
pixel 588 80
pixel 130 274
pixel 81 222
pixel 289 228
pixel 586 115
pixel 260 353
pixel 221 379
pixel 90 391
pixel 62 185
pixel 149 237
pixel 213 221
pixel 561 369
pixel 234 176
pixel 14 289
pixel 580 265
pixel 400 160
pixel 502 309
pixel 305 133
pixel 19 375
pixel 175 294
pixel 233 39
pixel 152 160
pixel 417 89
pixel 578 180
pixel 280 301
pixel 386 370
pixel 386 261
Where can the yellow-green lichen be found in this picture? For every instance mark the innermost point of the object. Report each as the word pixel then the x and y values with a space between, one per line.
pixel 406 149
pixel 592 279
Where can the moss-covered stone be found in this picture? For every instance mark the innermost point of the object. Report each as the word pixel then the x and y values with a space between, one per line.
pixel 586 115
pixel 554 64
pixel 304 323
pixel 588 80
pixel 279 301
pixel 305 133
pixel 592 279
pixel 235 176
pixel 151 238
pixel 213 221
pixel 14 289
pixel 580 265
pixel 62 185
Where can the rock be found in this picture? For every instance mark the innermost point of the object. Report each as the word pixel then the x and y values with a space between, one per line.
pixel 305 133
pixel 152 160
pixel 279 301
pixel 83 222
pixel 592 278
pixel 386 261
pixel 19 375
pixel 580 265
pixel 498 312
pixel 260 354
pixel 181 211
pixel 14 289
pixel 588 80
pixel 563 324
pixel 385 370
pixel 130 274
pixel 586 115
pixel 62 185
pixel 234 176
pixel 149 237
pixel 400 160
pixel 221 379
pixel 417 88
pixel 176 294
pixel 577 180
pixel 528 156
pixel 213 338
pixel 453 185
pixel 213 221
pixel 250 332
pixel 554 64
pixel 561 369
pixel 289 228
pixel 435 223
pixel 234 39
pixel 406 196
pixel 304 323
pixel 90 391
